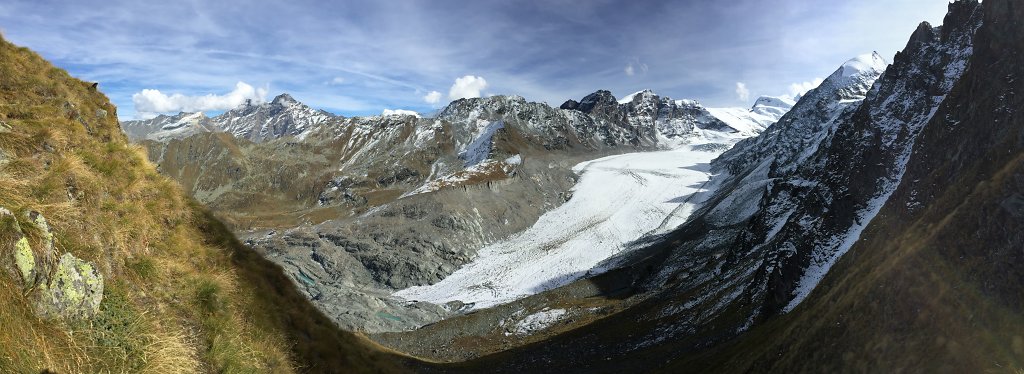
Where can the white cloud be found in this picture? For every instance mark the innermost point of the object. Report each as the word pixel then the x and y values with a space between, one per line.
pixel 336 81
pixel 399 112
pixel 467 87
pixel 633 66
pixel 798 89
pixel 150 101
pixel 433 97
pixel 742 92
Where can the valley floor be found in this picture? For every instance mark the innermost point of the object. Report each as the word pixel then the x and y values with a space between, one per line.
pixel 617 200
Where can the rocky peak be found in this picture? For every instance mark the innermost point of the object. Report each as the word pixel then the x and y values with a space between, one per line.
pixel 598 100
pixel 283 99
pixel 639 97
pixel 853 79
pixel 284 116
pixel 961 11
pixel 473 107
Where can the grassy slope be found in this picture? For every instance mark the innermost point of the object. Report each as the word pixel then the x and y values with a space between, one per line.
pixel 182 294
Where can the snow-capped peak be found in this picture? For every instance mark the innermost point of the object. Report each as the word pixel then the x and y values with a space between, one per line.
pixel 862 64
pixel 629 98
pixel 182 119
pixel 773 102
pixel 772 106
pixel 284 116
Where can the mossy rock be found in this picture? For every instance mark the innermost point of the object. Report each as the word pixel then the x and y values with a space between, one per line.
pixel 22 264
pixel 29 264
pixel 25 260
pixel 71 290
pixel 74 292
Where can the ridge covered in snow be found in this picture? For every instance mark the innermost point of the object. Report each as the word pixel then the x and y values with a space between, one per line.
pixel 766 111
pixel 284 116
pixel 164 127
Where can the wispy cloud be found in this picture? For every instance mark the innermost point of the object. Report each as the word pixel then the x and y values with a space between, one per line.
pixel 394 54
pixel 742 93
pixel 634 67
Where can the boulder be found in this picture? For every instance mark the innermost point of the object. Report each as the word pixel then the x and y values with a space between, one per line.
pixel 73 289
pixel 74 292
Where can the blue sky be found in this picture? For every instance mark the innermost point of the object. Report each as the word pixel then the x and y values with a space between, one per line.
pixel 360 57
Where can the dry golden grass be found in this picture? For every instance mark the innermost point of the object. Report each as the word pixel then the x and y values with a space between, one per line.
pixel 181 294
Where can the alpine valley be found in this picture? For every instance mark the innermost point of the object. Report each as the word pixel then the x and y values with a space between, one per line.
pixel 872 224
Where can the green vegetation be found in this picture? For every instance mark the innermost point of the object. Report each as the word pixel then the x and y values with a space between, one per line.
pixel 182 294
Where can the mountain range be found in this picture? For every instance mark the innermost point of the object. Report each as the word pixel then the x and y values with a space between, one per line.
pixel 873 224
pixel 357 208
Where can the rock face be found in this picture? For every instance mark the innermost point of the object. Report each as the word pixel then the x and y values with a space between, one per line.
pixel 797 198
pixel 68 289
pixel 359 207
pixel 284 116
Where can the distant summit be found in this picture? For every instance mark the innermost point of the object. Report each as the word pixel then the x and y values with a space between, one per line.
pixel 283 116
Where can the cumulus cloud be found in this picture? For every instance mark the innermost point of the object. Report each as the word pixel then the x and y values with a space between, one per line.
pixel 799 89
pixel 336 81
pixel 433 97
pixel 399 112
pixel 149 101
pixel 742 92
pixel 467 87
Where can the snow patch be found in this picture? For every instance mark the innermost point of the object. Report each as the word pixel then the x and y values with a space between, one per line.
pixel 514 160
pixel 538 321
pixel 480 148
pixel 863 64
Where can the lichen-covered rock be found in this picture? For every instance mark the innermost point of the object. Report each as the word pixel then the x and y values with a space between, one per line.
pixel 44 228
pixel 28 265
pixel 24 260
pixel 21 265
pixel 74 292
pixel 71 290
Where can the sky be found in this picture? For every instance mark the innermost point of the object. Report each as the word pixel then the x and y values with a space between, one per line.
pixel 364 57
